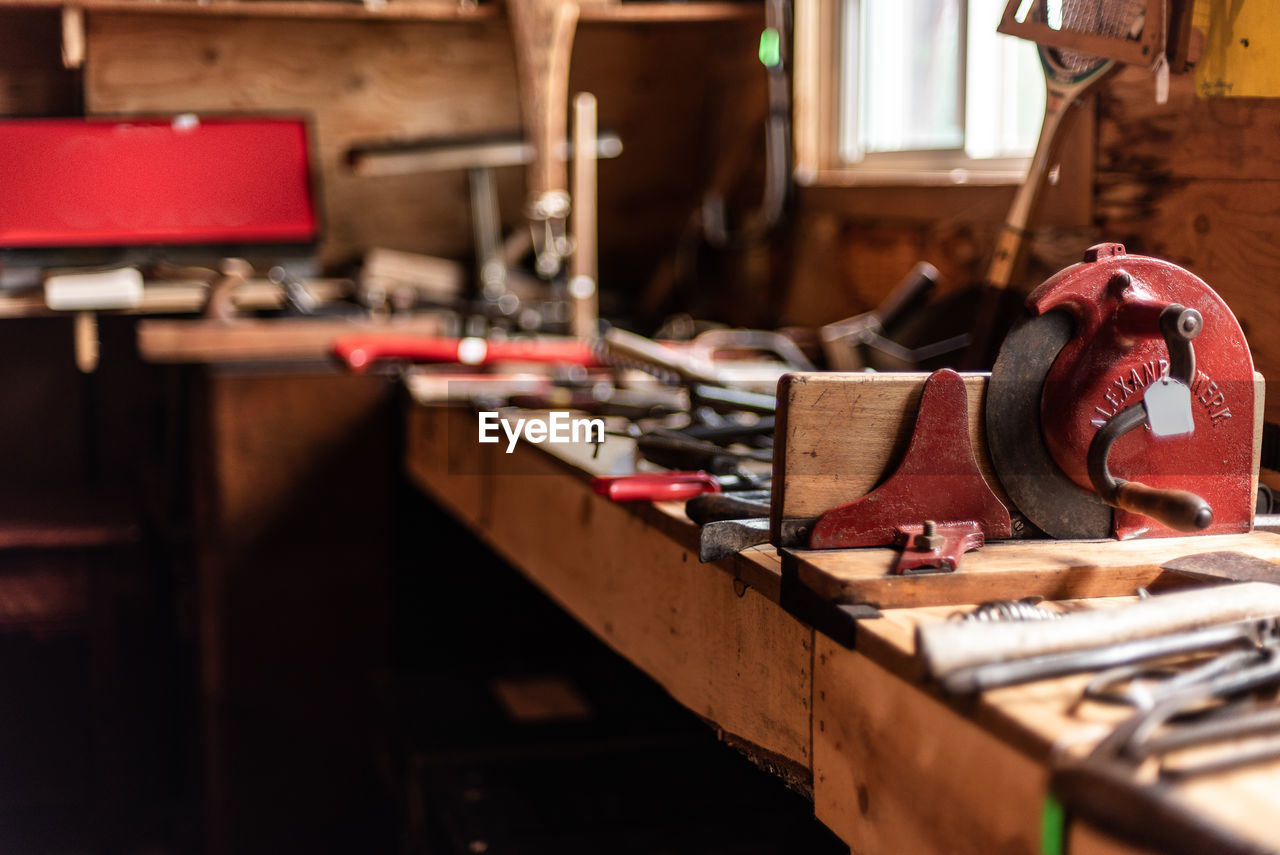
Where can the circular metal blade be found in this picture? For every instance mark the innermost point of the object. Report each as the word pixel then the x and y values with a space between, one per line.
pixel 1039 489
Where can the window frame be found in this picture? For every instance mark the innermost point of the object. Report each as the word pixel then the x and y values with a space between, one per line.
pixel 817 69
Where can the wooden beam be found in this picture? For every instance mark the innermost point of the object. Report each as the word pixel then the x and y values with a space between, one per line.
pixel 419 10
pixel 897 771
pixel 181 297
pixel 309 339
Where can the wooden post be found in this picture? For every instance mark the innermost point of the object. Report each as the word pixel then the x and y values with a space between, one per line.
pixel 583 280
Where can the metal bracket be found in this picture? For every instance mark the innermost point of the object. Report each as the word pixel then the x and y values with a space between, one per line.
pixel 935 548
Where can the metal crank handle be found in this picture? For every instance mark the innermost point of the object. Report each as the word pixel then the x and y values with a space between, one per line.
pixel 1180 510
pixel 1178 325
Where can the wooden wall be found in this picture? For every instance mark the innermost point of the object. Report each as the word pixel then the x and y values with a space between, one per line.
pixel 1197 181
pixel 32 79
pixel 853 244
pixel 675 93
pixel 1186 180
pixel 1194 181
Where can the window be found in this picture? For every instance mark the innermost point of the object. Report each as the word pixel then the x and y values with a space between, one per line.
pixel 913 89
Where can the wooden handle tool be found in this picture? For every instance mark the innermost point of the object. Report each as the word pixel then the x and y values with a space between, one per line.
pixel 949 646
pixel 543 31
pixel 583 303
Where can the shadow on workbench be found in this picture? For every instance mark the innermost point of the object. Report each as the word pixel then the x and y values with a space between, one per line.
pixel 519 732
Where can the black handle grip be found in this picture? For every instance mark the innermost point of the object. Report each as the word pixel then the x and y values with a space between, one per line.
pixel 907 294
pixel 714 507
pixel 1180 510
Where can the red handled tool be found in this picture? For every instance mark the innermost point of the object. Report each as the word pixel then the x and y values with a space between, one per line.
pixel 655 486
pixel 359 351
pixel 671 486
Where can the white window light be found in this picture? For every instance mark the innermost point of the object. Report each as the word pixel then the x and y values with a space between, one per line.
pixel 930 86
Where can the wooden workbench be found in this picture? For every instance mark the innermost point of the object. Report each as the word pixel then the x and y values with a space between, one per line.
pixel 892 766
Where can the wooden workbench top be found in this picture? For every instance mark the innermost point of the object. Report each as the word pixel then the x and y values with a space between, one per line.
pixel 891 763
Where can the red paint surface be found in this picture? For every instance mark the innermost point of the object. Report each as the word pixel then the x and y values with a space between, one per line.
pixel 87 182
pixel 360 351
pixel 1117 346
pixel 655 487
pixel 957 539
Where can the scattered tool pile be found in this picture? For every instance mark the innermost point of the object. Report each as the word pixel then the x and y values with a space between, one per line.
pixel 1199 669
pixel 1119 427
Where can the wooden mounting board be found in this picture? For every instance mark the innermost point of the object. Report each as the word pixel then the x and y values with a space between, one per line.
pixel 842 433
pixel 1053 569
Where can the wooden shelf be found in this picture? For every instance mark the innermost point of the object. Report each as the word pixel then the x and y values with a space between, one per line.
pixel 416 10
pixel 165 298
pixel 281 339
pixel 425 10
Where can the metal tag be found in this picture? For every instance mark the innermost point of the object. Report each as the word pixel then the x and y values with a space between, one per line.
pixel 1168 405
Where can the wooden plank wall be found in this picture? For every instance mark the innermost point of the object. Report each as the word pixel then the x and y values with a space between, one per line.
pixel 32 79
pixel 853 244
pixel 1197 181
pixel 675 93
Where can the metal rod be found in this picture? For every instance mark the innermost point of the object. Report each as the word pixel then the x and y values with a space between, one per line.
pixel 996 675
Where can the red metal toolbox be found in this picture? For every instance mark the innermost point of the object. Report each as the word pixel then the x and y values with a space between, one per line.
pixel 181 180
